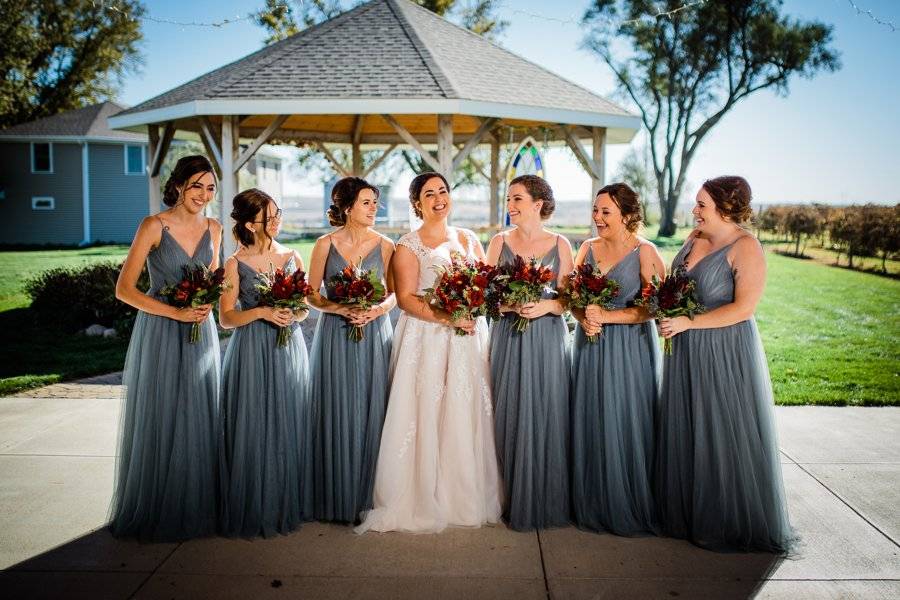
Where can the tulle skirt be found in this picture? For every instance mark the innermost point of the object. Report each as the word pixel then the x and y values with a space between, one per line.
pixel 530 384
pixel 349 383
pixel 615 384
pixel 264 478
pixel 717 469
pixel 166 473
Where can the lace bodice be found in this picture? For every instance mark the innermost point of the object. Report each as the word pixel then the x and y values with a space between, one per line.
pixel 431 258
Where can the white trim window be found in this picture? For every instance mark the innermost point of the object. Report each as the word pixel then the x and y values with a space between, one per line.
pixel 42 158
pixel 43 203
pixel 135 159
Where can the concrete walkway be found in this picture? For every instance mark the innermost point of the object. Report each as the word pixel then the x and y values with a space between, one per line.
pixel 841 468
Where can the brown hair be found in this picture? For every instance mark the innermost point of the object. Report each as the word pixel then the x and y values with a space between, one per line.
pixel 732 196
pixel 416 185
pixel 628 201
pixel 343 197
pixel 538 189
pixel 185 168
pixel 245 207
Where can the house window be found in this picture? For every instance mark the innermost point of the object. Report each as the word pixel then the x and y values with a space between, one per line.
pixel 42 203
pixel 41 157
pixel 134 160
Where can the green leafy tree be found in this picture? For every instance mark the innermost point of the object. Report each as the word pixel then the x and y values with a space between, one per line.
pixel 58 56
pixel 685 71
pixel 801 222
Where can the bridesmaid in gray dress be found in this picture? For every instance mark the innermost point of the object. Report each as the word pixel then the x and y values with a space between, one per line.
pixel 165 487
pixel 718 474
pixel 530 371
pixel 264 386
pixel 349 379
pixel 615 381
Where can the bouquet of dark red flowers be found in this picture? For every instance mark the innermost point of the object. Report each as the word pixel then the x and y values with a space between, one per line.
pixel 200 286
pixel 588 285
pixel 466 288
pixel 360 288
pixel 524 282
pixel 283 290
pixel 674 296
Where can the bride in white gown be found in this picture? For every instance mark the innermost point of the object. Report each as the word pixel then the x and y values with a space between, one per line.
pixel 437 465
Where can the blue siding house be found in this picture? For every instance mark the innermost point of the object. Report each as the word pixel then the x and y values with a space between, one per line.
pixel 71 180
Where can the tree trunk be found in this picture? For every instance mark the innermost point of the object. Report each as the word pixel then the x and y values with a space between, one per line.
pixel 797 245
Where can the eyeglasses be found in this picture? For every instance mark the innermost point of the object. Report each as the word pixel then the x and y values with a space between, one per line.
pixel 273 218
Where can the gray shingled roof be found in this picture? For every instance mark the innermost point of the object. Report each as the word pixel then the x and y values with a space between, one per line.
pixel 386 49
pixel 88 122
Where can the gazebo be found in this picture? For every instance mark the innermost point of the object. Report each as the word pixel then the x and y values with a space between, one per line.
pixel 385 74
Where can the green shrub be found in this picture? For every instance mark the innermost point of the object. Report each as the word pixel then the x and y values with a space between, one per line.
pixel 76 297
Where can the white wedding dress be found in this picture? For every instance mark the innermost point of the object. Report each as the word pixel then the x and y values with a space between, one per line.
pixel 437 466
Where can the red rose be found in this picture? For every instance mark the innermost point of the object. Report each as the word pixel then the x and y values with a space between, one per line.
pixel 480 281
pixel 475 297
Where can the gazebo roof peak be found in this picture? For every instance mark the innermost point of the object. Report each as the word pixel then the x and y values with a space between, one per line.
pixel 385 57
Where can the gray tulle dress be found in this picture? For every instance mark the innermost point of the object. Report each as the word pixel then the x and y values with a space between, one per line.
pixel 615 384
pixel 264 424
pixel 349 397
pixel 717 470
pixel 166 473
pixel 530 387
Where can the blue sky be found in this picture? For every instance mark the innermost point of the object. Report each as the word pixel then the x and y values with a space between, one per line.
pixel 835 138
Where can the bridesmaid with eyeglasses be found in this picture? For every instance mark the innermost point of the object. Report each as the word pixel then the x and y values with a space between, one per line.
pixel 265 397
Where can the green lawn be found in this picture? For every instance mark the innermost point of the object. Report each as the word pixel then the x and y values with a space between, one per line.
pixel 17 266
pixel 832 336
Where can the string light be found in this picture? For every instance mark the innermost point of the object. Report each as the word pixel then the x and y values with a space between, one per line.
pixel 576 20
pixel 111 6
pixel 868 13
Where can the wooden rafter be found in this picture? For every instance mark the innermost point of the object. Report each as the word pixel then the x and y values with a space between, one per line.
pixel 342 171
pixel 210 141
pixel 261 139
pixel 581 154
pixel 407 137
pixel 379 160
pixel 473 142
pixel 161 149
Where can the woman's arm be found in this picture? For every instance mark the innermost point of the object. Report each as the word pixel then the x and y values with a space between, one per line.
pixel 651 264
pixel 749 266
pixel 406 279
pixel 147 237
pixel 230 316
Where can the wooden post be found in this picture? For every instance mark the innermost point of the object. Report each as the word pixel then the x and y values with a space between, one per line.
pixel 229 186
pixel 445 145
pixel 598 156
pixel 356 154
pixel 153 180
pixel 495 179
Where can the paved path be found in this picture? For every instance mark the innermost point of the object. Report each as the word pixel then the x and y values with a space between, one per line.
pixel 841 468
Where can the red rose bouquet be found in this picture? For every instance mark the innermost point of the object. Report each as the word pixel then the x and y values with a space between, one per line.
pixel 674 296
pixel 199 286
pixel 283 290
pixel 524 282
pixel 466 288
pixel 588 285
pixel 361 288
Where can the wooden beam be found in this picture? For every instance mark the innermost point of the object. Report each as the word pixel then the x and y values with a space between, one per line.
pixel 479 166
pixel 209 135
pixel 407 137
pixel 155 195
pixel 355 152
pixel 598 157
pixel 495 180
pixel 378 160
pixel 162 149
pixel 229 184
pixel 209 152
pixel 445 145
pixel 261 139
pixel 473 142
pixel 342 171
pixel 581 154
